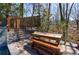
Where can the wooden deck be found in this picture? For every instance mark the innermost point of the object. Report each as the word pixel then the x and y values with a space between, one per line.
pixel 22 48
pixel 17 48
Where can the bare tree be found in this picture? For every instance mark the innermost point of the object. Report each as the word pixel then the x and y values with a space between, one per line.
pixel 65 19
pixel 76 14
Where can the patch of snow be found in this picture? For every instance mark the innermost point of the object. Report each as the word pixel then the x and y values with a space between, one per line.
pixel 66 49
pixel 74 45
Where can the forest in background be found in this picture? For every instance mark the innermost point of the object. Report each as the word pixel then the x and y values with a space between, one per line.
pixel 64 18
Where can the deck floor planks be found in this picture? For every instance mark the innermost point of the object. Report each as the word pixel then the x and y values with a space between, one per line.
pixel 16 48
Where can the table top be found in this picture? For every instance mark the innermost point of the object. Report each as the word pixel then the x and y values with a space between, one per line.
pixel 51 35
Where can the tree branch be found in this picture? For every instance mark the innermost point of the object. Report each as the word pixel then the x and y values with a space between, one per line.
pixel 70 11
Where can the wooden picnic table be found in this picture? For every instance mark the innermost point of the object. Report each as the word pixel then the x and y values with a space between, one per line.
pixel 45 46
pixel 49 36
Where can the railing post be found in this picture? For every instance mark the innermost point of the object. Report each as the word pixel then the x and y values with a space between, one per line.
pixel 8 23
pixel 15 23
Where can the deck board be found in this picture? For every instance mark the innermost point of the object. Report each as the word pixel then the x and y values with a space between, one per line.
pixel 16 48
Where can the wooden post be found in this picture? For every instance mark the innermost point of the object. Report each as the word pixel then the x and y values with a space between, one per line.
pixel 18 23
pixel 8 23
pixel 15 24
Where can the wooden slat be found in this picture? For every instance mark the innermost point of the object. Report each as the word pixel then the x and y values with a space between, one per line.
pixel 50 35
pixel 49 48
pixel 45 44
pixel 50 51
pixel 42 51
pixel 45 40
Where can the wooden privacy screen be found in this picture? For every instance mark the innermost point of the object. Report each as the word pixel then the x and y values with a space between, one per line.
pixel 24 22
pixel 30 21
pixel 16 23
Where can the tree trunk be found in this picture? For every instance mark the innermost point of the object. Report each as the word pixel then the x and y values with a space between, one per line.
pixel 49 7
